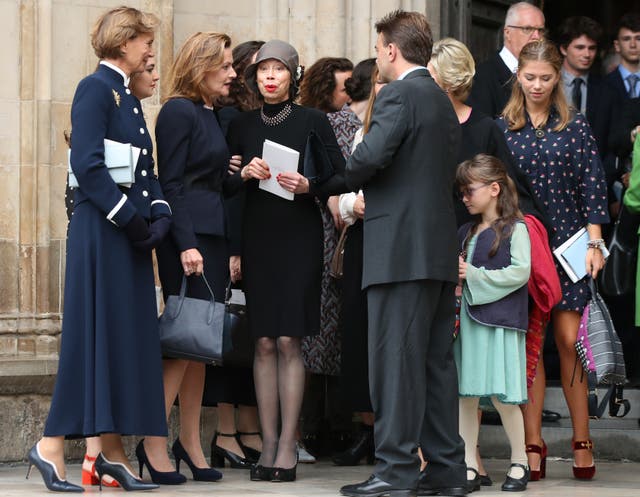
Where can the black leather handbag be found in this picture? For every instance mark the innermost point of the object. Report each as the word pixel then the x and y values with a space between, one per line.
pixel 618 277
pixel 192 328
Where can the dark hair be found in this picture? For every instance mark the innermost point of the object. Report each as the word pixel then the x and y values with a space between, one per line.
pixel 410 32
pixel 241 95
pixel 319 82
pixel 488 169
pixel 358 86
pixel 576 26
pixel 630 21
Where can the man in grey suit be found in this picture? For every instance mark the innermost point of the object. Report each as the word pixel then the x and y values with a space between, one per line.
pixel 406 167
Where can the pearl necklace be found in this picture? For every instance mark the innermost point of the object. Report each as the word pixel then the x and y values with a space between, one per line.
pixel 278 118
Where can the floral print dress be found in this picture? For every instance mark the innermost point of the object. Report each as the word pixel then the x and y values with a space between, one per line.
pixel 565 172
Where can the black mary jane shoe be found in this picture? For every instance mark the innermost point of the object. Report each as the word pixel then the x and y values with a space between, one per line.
pixel 251 454
pixel 516 484
pixel 375 487
pixel 218 454
pixel 159 477
pixel 49 473
pixel 199 474
pixel 258 472
pixel 474 484
pixel 120 473
pixel 362 447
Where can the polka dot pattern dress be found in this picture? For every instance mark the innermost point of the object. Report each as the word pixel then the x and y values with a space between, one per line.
pixel 566 174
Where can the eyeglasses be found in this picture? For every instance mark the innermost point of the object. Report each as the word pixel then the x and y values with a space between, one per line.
pixel 528 30
pixel 469 191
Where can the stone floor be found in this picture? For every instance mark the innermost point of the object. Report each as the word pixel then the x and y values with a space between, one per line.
pixel 613 479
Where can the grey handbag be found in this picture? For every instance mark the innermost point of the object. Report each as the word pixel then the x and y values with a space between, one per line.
pixel 191 328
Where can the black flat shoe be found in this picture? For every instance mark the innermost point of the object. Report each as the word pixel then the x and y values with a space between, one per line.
pixel 159 477
pixel 252 454
pixel 474 484
pixel 121 474
pixel 550 416
pixel 199 474
pixel 284 474
pixel 362 447
pixel 516 484
pixel 218 454
pixel 375 487
pixel 428 484
pixel 259 472
pixel 49 473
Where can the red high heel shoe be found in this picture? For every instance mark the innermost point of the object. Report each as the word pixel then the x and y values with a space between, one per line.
pixel 538 474
pixel 90 477
pixel 583 472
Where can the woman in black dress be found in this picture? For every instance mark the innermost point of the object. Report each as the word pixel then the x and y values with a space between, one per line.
pixel 282 249
pixel 109 378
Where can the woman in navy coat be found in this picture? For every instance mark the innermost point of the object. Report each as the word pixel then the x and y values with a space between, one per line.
pixel 109 378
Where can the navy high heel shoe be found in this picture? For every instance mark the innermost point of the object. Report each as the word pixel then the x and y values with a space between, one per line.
pixel 49 473
pixel 199 474
pixel 160 477
pixel 120 473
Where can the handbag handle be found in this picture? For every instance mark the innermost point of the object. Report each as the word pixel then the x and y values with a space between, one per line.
pixel 183 292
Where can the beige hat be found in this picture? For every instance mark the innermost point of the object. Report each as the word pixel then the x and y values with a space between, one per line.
pixel 279 50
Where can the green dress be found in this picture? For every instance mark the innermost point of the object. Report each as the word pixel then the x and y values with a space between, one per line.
pixel 492 361
pixel 632 201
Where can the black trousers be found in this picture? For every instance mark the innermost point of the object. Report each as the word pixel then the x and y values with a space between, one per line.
pixel 414 382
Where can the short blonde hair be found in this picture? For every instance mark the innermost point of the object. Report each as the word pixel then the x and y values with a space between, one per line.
pixel 117 26
pixel 454 67
pixel 201 52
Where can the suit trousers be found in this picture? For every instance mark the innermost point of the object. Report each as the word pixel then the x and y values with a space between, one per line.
pixel 414 382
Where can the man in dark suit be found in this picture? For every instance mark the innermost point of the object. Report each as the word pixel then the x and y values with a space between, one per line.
pixel 493 80
pixel 406 166
pixel 578 38
pixel 625 80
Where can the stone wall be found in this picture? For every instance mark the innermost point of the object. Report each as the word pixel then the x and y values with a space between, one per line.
pixel 45 52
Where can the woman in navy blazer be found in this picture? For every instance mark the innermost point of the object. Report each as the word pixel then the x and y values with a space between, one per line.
pixel 109 378
pixel 193 161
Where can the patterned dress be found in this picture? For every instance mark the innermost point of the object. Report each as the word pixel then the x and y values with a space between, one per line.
pixel 566 174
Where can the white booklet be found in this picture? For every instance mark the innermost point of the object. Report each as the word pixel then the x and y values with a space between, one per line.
pixel 121 160
pixel 280 159
pixel 572 255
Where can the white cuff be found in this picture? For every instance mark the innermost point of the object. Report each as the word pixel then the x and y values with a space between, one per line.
pixel 345 206
pixel 117 207
pixel 162 202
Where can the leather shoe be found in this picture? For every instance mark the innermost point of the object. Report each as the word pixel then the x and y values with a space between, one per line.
pixel 426 487
pixel 550 416
pixel 516 484
pixel 375 487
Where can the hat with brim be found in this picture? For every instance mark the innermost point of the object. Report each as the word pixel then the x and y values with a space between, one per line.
pixel 274 49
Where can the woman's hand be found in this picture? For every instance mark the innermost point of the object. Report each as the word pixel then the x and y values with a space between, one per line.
pixel 358 207
pixel 462 269
pixel 595 261
pixel 192 262
pixel 293 182
pixel 235 268
pixel 235 163
pixel 334 207
pixel 256 169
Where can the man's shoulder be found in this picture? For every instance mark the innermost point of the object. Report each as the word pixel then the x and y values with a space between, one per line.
pixel 491 65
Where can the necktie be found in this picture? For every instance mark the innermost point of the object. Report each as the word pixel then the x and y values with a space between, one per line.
pixel 632 79
pixel 576 94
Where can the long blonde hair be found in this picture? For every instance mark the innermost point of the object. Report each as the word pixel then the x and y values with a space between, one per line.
pixel 201 52
pixel 515 110
pixel 366 123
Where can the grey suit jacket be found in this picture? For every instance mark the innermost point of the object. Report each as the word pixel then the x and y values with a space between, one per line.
pixel 406 167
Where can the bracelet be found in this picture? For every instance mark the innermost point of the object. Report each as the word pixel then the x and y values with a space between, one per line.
pixel 596 243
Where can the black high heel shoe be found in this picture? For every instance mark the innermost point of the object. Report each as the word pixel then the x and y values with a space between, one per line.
pixel 160 477
pixel 361 447
pixel 251 454
pixel 259 472
pixel 49 473
pixel 285 474
pixel 121 474
pixel 516 484
pixel 218 455
pixel 199 474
